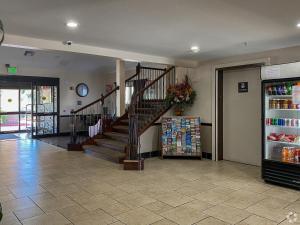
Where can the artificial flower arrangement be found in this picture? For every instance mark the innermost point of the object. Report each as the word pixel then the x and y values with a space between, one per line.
pixel 181 95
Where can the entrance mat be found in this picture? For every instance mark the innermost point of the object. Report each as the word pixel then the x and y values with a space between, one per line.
pixel 8 136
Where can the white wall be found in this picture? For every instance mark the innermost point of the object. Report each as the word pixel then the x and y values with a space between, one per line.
pixel 68 98
pixel 203 80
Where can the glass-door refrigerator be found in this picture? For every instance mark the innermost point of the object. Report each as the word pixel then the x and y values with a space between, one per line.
pixel 281 124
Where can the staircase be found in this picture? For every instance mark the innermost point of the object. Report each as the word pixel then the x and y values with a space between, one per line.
pixel 147 103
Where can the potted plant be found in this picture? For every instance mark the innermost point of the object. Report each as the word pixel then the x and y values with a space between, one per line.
pixel 181 95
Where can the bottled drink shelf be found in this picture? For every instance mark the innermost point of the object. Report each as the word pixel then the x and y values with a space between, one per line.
pixel 284 109
pixel 284 142
pixel 280 96
pixel 289 127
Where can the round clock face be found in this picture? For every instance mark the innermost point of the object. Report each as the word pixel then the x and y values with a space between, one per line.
pixel 82 90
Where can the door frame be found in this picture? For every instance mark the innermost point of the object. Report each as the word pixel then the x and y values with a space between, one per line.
pixel 37 81
pixel 217 123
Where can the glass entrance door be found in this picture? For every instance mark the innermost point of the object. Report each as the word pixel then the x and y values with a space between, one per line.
pixel 9 110
pixel 12 109
pixel 44 110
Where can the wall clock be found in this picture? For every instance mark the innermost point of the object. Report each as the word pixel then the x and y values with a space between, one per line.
pixel 82 90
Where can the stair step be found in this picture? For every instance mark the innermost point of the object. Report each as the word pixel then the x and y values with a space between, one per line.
pixel 120 129
pixel 117 136
pixel 144 109
pixel 124 122
pixel 111 144
pixel 105 153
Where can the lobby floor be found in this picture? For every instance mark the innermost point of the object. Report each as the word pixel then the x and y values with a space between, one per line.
pixel 42 184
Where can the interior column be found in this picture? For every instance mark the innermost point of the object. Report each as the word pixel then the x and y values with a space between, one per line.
pixel 120 80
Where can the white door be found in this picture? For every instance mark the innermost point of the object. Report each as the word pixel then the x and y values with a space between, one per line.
pixel 242 116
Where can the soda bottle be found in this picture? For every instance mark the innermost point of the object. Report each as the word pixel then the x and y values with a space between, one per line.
pixel 274 90
pixel 284 92
pixel 289 89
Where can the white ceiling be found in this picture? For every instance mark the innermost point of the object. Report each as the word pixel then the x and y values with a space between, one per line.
pixel 60 61
pixel 160 27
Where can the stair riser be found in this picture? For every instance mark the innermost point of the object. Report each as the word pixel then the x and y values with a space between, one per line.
pixel 118 160
pixel 121 139
pixel 113 147
pixel 124 123
pixel 118 130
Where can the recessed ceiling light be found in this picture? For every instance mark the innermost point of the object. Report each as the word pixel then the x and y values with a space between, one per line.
pixel 195 49
pixel 72 24
pixel 298 25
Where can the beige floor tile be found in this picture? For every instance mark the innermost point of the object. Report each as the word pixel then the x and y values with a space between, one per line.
pixel 71 211
pixel 187 214
pixel 52 204
pixel 139 216
pixel 294 207
pixel 231 184
pixel 103 202
pixel 80 197
pixel 223 190
pixel 158 207
pixel 117 223
pixel 274 203
pixel 243 199
pixel 92 218
pixel 28 213
pixel 275 214
pixel 115 193
pixel 9 219
pixel 193 188
pixel 286 222
pixel 76 183
pixel 97 188
pixel 283 193
pixel 174 199
pixel 113 208
pixel 18 204
pixel 227 214
pixel 59 190
pixel 4 191
pixel 136 200
pixel 164 222
pixel 212 197
pixel 20 192
pixel 7 197
pixel 53 218
pixel 211 221
pixel 184 215
pixel 257 187
pixel 256 220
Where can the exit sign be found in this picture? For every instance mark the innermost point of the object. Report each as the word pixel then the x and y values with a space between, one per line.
pixel 12 70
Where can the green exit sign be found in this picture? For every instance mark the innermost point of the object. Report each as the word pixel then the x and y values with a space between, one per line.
pixel 12 70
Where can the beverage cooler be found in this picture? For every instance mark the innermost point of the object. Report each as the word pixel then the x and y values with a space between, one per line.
pixel 281 124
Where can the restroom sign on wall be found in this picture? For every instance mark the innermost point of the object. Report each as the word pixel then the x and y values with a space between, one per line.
pixel 243 87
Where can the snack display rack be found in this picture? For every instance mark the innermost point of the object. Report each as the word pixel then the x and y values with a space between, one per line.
pixel 181 137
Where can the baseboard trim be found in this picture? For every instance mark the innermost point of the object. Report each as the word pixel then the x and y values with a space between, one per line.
pixel 146 155
pixel 206 155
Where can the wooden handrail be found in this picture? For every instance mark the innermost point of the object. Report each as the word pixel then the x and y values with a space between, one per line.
pixel 150 68
pixel 152 82
pixel 128 79
pixel 147 68
pixel 96 101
